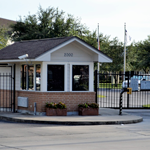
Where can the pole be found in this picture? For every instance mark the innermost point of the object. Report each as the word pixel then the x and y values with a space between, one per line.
pixel 14 88
pixel 124 49
pixel 98 36
pixel 98 62
pixel 95 73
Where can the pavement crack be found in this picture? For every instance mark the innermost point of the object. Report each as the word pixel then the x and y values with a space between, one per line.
pixel 11 147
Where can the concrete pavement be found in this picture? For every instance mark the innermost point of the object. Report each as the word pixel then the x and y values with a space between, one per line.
pixel 106 117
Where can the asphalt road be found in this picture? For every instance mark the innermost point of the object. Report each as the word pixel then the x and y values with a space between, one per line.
pixel 16 136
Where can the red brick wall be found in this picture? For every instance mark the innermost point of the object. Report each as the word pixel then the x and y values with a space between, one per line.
pixel 5 98
pixel 71 99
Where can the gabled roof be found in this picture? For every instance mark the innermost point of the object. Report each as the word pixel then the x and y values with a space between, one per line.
pixel 35 48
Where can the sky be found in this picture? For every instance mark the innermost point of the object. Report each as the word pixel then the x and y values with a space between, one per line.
pixel 110 14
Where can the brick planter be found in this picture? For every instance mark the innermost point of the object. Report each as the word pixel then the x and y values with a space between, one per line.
pixel 56 112
pixel 88 111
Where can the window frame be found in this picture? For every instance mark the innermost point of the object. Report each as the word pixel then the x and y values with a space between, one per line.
pixel 91 75
pixel 44 75
pixel 64 75
pixel 73 88
pixel 34 77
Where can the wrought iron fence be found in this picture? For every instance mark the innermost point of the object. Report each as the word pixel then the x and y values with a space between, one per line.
pixel 109 87
pixel 6 92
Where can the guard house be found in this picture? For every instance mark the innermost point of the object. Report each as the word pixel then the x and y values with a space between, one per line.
pixel 52 70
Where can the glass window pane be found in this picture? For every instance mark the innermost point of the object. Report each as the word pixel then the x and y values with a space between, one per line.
pixel 23 77
pixel 38 77
pixel 80 78
pixel 31 77
pixel 55 78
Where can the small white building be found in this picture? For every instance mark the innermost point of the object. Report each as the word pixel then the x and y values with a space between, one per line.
pixel 56 69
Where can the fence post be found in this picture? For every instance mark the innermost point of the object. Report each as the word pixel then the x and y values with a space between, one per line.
pixel 95 86
pixel 14 89
pixel 128 94
pixel 120 104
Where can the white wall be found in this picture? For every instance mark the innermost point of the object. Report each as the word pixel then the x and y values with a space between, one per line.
pixel 77 54
pixel 18 76
pixel 68 75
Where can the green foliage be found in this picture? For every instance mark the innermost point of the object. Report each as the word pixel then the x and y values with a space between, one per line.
pixel 3 37
pixel 113 49
pixel 48 23
pixel 60 105
pixel 88 105
pixel 138 56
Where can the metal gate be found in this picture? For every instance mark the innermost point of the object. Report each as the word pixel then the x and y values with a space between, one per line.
pixel 7 91
pixel 110 85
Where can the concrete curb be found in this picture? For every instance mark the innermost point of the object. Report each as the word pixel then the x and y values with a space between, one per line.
pixel 18 120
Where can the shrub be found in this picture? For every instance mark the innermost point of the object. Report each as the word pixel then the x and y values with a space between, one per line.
pixel 60 105
pixel 87 105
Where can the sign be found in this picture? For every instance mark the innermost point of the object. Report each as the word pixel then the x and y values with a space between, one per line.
pixel 145 85
pixel 134 84
pixel 129 91
pixel 68 54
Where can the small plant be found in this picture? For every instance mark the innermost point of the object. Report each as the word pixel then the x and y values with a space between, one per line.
pixel 88 105
pixel 93 105
pixel 60 105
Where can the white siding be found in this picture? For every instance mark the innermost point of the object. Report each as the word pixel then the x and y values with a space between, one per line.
pixel 18 76
pixel 68 77
pixel 78 54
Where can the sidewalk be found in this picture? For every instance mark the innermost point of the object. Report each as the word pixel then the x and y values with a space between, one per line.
pixel 107 117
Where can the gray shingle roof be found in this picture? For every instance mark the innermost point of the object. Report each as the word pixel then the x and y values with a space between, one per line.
pixel 35 48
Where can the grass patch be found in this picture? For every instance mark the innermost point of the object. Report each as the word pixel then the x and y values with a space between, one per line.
pixel 101 96
pixel 111 86
pixel 147 106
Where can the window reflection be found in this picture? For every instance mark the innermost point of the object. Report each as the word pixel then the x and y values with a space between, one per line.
pixel 23 77
pixel 31 77
pixel 55 78
pixel 80 77
pixel 27 77
pixel 38 77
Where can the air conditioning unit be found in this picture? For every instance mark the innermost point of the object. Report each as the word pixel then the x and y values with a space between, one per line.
pixel 23 101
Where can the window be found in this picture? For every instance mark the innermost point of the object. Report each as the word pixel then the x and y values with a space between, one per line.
pixel 38 77
pixel 27 77
pixel 80 78
pixel 23 77
pixel 55 78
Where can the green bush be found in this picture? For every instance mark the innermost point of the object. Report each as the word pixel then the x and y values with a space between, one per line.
pixel 60 105
pixel 88 105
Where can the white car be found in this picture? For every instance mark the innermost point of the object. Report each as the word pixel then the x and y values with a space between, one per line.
pixel 139 77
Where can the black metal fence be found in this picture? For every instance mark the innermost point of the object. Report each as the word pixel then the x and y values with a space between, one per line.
pixel 110 85
pixel 7 91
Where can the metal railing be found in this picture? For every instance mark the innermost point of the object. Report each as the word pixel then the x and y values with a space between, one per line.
pixel 111 84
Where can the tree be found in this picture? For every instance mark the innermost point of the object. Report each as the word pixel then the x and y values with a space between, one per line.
pixel 143 55
pixel 114 49
pixel 3 37
pixel 48 23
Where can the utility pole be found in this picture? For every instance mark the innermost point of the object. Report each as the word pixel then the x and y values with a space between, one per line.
pixel 124 49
